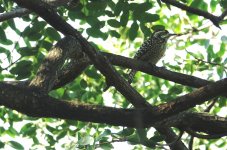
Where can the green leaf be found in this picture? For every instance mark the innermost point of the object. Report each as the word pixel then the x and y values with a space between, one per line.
pixel 104 134
pixel 202 68
pixel 52 34
pixel 142 133
pixel 61 135
pixel 22 69
pixel 157 138
pixel 96 33
pixel 221 51
pixel 109 13
pixel 158 27
pixel 213 4
pixel 220 71
pixel 94 22
pixel 76 14
pixel 199 4
pixel 145 6
pixel 97 5
pixel 83 84
pixel 114 23
pixel 16 145
pixel 11 23
pixel 222 102
pixel 133 31
pixel 124 18
pixel 1 9
pixel 126 132
pixel 114 33
pixel 92 73
pixel 146 31
pixel 2 35
pixel 159 3
pixel 51 129
pixel 146 17
pixel 119 7
pixel 87 140
pixel 31 34
pixel 142 7
pixel 210 53
pixel 2 145
pixel 6 42
pixel 28 130
pixel 175 89
pixel 46 45
pixel 26 51
pixel 133 139
pixel 223 4
pixel 107 146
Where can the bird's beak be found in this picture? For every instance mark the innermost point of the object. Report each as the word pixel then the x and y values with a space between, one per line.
pixel 171 34
pixel 175 34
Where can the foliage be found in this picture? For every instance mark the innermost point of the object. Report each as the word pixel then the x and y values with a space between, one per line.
pixel 118 27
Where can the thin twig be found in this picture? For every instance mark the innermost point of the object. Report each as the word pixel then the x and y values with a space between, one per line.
pixel 207 62
pixel 190 145
pixel 10 65
pixel 19 12
pixel 211 105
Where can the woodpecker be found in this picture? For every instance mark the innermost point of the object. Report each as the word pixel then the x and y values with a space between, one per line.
pixel 152 50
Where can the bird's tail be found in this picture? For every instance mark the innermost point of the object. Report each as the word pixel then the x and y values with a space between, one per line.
pixel 131 75
pixel 130 79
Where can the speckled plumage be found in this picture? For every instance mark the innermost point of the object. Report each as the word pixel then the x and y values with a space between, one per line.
pixel 152 50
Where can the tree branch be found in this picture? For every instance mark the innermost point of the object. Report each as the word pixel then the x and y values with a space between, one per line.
pixel 53 62
pixel 194 98
pixel 35 105
pixel 19 12
pixel 215 19
pixel 202 136
pixel 14 13
pixel 99 61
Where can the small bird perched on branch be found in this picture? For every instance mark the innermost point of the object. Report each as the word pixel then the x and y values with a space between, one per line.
pixel 152 50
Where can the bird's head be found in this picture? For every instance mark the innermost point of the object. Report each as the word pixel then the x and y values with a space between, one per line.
pixel 163 35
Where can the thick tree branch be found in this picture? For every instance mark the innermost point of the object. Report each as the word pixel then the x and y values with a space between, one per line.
pixel 199 122
pixel 100 62
pixel 194 98
pixel 52 64
pixel 215 19
pixel 33 104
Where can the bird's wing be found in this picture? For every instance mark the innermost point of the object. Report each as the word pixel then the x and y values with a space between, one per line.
pixel 143 49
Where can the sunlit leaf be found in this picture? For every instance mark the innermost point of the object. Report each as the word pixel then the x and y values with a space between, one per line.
pixel 16 145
